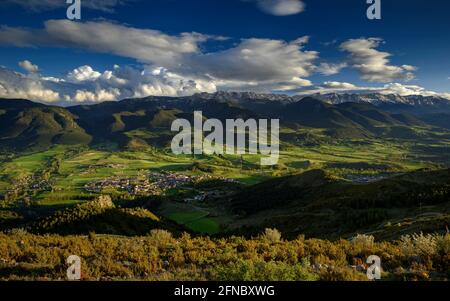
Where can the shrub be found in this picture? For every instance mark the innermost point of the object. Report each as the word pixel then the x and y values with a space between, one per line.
pixel 272 235
pixel 342 274
pixel 259 270
pixel 443 244
pixel 158 256
pixel 363 241
pixel 161 237
pixel 419 245
pixel 18 231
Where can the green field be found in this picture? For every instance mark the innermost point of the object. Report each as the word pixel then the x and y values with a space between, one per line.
pixel 188 217
pixel 197 222
pixel 204 226
pixel 77 166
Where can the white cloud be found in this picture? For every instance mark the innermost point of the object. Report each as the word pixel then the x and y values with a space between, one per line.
pixel 175 65
pixel 338 85
pixel 99 95
pixel 161 82
pixel 374 65
pixel 29 66
pixel 281 7
pixel 84 84
pixel 16 85
pixel 145 45
pixel 53 79
pixel 262 64
pixel 126 82
pixel 268 64
pixel 83 73
pixel 44 5
pixel 331 69
pixel 405 90
pixel 409 68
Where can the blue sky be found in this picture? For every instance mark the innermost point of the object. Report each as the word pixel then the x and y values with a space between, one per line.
pixel 135 48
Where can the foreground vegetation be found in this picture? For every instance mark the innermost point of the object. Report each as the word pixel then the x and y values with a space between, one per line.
pixel 160 256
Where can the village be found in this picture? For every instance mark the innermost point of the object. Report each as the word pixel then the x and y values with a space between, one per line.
pixel 154 183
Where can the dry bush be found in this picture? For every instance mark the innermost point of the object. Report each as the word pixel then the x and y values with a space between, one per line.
pixel 272 235
pixel 419 245
pixel 363 242
pixel 161 237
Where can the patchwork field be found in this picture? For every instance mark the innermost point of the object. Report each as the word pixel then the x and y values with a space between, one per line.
pixel 56 178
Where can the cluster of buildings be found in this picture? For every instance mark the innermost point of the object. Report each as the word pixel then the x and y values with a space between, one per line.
pixel 33 183
pixel 42 185
pixel 26 187
pixel 167 180
pixel 152 183
pixel 133 186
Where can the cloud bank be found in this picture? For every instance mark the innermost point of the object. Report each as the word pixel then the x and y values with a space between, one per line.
pixel 178 65
pixel 145 45
pixel 251 64
pixel 84 84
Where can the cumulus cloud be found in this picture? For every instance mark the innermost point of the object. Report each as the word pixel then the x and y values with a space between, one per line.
pixel 160 81
pixel 177 65
pixel 99 95
pixel 83 73
pixel 262 63
pixel 17 85
pixel 257 65
pixel 29 66
pixel 84 84
pixel 268 64
pixel 44 5
pixel 374 65
pixel 281 7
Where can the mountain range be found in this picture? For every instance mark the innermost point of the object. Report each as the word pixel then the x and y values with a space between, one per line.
pixel 376 99
pixel 142 122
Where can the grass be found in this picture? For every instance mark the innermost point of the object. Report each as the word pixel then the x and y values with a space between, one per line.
pixel 204 226
pixel 197 221
pixel 49 202
pixel 188 217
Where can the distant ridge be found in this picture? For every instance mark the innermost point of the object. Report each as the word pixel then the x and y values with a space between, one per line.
pixel 146 121
pixel 379 99
pixel 376 99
